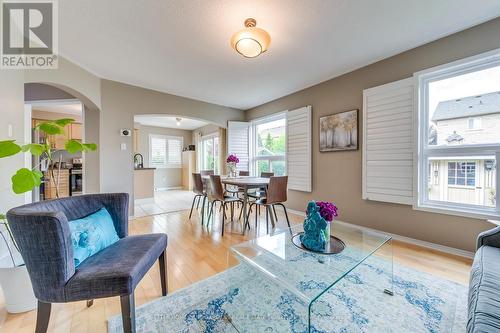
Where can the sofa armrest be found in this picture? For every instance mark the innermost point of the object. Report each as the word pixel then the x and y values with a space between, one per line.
pixel 489 237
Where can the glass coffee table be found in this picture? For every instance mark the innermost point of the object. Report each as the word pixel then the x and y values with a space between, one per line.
pixel 307 275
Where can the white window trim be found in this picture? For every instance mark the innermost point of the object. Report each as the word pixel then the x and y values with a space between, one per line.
pixel 167 164
pixel 422 152
pixel 253 139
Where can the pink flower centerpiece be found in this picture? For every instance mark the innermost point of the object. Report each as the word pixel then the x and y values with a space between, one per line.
pixel 231 162
pixel 328 211
pixel 233 159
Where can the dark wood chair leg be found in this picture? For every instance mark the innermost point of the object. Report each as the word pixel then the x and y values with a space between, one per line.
pixel 128 313
pixel 286 214
pixel 211 210
pixel 256 216
pixel 275 215
pixel 203 210
pixel 42 317
pixel 90 302
pixel 192 205
pixel 267 219
pixel 162 260
pixel 223 205
pixel 198 202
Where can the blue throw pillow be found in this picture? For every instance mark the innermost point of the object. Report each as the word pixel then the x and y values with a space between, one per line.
pixel 92 234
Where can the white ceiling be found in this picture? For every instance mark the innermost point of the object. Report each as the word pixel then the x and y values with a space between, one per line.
pixel 64 107
pixel 182 47
pixel 169 122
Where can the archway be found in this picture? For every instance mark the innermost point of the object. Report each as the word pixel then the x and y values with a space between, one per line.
pixel 54 97
pixel 163 130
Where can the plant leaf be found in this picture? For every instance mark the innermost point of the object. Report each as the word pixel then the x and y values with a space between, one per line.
pixel 34 148
pixel 24 180
pixel 90 146
pixel 63 122
pixel 74 146
pixel 50 128
pixel 9 148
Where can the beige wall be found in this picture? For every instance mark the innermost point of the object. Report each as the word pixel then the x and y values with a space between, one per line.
pixel 92 167
pixel 12 112
pixel 120 102
pixel 164 177
pixel 337 175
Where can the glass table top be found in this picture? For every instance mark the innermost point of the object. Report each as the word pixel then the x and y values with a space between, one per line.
pixel 291 267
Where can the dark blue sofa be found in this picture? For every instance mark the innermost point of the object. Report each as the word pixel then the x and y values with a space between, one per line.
pixel 41 230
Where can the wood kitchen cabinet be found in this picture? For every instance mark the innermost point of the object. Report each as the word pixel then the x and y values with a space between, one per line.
pixel 75 131
pixel 50 188
pixel 71 131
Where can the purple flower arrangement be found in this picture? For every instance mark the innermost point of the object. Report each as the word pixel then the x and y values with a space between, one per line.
pixel 327 210
pixel 232 159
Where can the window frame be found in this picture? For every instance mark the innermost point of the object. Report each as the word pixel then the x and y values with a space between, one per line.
pixel 253 143
pixel 423 151
pixel 167 164
pixel 211 136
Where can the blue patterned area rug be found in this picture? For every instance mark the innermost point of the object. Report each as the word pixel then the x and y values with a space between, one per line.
pixel 255 303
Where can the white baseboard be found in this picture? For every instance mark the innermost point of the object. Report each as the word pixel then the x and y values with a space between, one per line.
pixel 429 245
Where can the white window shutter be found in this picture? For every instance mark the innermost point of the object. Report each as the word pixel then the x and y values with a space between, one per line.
pixel 238 142
pixel 388 112
pixel 299 152
pixel 174 152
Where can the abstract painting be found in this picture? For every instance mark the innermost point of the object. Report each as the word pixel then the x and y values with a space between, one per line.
pixel 339 132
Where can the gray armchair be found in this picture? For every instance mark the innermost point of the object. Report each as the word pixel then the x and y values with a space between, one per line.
pixel 42 232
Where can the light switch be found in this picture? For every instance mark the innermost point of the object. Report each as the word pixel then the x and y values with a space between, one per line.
pixel 123 146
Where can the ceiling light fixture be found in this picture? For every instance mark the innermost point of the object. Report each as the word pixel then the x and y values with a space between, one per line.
pixel 251 41
pixel 178 121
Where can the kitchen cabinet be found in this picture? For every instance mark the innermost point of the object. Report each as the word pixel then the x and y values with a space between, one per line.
pixel 188 167
pixel 50 187
pixel 76 131
pixel 71 131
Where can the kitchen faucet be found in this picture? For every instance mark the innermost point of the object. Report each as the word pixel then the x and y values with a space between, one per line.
pixel 139 161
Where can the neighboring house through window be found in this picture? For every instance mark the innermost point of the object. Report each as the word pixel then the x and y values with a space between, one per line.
pixel 459 141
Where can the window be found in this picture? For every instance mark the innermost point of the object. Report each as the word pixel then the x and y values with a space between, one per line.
pixel 474 123
pixel 165 151
pixel 269 145
pixel 459 137
pixel 210 153
pixel 462 173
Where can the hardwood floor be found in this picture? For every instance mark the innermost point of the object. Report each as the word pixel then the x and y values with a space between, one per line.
pixel 195 253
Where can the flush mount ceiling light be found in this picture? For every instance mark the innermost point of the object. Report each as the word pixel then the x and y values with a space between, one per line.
pixel 178 120
pixel 251 41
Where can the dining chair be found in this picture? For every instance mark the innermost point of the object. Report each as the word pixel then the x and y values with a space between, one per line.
pixel 206 172
pixel 217 194
pixel 199 191
pixel 260 192
pixel 276 195
pixel 244 173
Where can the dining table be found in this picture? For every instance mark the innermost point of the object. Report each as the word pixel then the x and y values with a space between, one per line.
pixel 246 183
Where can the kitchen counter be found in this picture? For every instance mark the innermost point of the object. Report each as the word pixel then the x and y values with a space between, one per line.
pixel 144 183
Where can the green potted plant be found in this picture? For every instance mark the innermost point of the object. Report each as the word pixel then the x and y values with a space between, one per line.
pixel 14 277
